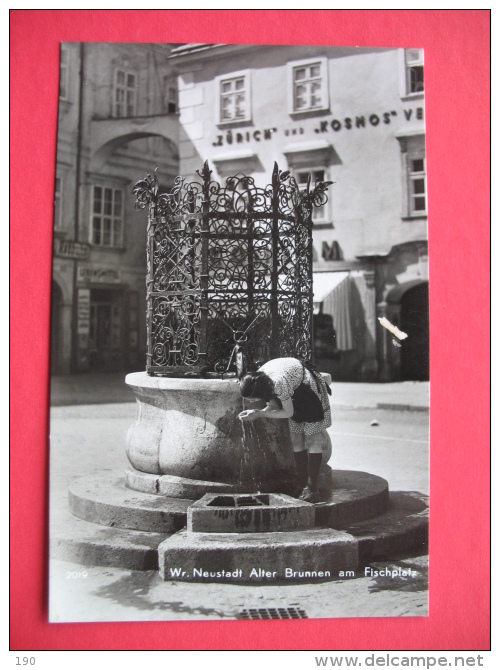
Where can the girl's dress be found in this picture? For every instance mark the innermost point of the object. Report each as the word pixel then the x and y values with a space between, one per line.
pixel 286 374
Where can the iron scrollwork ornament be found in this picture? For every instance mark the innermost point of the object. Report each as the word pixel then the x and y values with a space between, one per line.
pixel 235 255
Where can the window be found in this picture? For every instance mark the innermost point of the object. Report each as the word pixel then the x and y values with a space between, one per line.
pixel 125 94
pixel 58 204
pixel 414 71
pixel 64 74
pixel 414 171
pixel 170 95
pixel 416 186
pixel 320 214
pixel 234 97
pixel 107 216
pixel 308 86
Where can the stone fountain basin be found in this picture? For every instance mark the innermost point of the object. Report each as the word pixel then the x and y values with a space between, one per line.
pixel 190 428
pixel 249 513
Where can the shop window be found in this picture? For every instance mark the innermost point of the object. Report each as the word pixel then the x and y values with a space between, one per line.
pixel 308 86
pixel 417 190
pixel 124 94
pixel 234 97
pixel 107 216
pixel 321 213
pixel 58 204
pixel 64 73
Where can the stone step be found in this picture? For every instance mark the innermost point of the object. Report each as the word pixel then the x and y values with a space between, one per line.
pixel 403 529
pixel 317 553
pixel 173 487
pixel 89 544
pixel 75 540
pixel 354 496
pixel 105 499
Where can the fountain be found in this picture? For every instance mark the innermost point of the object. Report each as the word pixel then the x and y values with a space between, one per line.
pixel 229 287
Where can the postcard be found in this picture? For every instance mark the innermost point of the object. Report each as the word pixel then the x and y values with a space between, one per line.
pixel 239 424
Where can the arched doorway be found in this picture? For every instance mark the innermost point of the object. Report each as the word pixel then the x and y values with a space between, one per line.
pixel 414 320
pixel 56 330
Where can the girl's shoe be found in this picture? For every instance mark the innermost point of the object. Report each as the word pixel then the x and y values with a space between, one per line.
pixel 308 495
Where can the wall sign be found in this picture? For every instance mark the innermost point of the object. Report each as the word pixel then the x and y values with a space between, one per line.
pixel 231 137
pixel 83 311
pixel 98 274
pixel 366 121
pixel 323 126
pixel 70 249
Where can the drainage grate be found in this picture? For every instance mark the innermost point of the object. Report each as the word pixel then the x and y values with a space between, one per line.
pixel 273 613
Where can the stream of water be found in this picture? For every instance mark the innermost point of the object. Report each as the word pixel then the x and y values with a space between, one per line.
pixel 254 457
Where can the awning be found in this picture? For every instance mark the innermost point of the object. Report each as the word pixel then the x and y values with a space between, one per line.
pixel 332 295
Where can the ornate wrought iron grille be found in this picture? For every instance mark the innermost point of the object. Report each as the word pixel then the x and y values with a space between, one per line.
pixel 229 269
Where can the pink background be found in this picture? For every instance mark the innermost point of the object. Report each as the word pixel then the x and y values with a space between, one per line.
pixel 457 80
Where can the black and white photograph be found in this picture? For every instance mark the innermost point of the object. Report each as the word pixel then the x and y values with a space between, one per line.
pixel 239 401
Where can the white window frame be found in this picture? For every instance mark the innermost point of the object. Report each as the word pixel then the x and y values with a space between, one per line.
pixel 410 58
pixel 232 76
pixel 64 73
pixel 125 88
pixel 58 201
pixel 412 147
pixel 320 215
pixel 116 240
pixel 411 177
pixel 292 67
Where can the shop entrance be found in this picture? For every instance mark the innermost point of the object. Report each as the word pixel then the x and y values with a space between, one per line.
pixel 105 330
pixel 414 320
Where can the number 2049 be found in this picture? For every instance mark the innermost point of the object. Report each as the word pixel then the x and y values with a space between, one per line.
pixel 25 660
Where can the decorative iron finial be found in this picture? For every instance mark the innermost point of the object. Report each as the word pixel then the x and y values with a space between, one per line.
pixel 205 172
pixel 146 191
pixel 317 196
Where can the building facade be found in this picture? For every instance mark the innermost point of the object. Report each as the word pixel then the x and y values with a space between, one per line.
pixel 117 119
pixel 351 116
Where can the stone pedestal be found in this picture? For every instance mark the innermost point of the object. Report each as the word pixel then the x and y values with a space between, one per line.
pixel 189 428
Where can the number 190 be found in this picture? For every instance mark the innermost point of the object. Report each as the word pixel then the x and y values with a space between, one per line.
pixel 25 660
